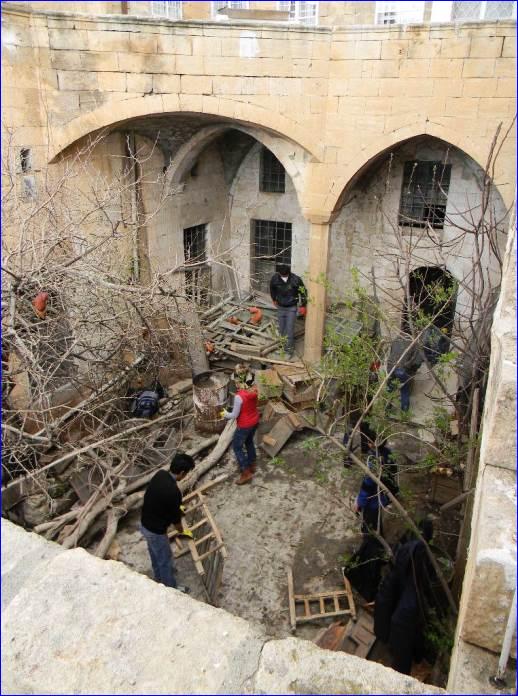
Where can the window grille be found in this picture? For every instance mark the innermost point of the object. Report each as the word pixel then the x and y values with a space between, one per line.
pixel 197 277
pixel 271 247
pixel 173 10
pixel 399 12
pixel 300 12
pixel 424 194
pixel 477 11
pixel 272 174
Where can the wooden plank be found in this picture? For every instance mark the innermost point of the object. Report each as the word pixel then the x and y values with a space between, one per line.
pixel 216 531
pixel 350 598
pixel 307 608
pixel 210 535
pixel 205 487
pixel 322 605
pixel 210 551
pixel 344 612
pixel 331 638
pixel 291 601
pixel 317 595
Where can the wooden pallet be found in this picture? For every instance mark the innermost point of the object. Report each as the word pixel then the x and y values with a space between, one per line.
pixel 328 604
pixel 207 549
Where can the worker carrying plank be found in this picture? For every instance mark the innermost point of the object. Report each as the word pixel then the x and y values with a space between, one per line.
pixel 288 291
pixel 247 416
pixel 162 507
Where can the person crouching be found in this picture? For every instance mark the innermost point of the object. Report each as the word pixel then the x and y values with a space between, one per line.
pixel 247 416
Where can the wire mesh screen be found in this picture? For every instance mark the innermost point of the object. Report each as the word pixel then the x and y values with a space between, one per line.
pixel 271 247
pixel 424 194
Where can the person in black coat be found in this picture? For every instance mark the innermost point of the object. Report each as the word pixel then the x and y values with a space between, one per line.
pixel 287 291
pixel 400 605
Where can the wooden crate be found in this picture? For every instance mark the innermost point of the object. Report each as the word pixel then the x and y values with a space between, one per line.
pixel 269 384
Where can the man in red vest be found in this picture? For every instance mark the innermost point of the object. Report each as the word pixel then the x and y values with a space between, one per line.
pixel 247 416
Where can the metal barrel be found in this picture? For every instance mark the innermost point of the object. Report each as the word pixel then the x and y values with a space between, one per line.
pixel 209 395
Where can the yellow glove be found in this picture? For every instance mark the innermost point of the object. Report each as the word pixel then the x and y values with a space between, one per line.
pixel 182 509
pixel 222 413
pixel 186 532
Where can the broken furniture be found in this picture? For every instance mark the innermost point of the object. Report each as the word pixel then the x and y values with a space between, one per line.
pixel 233 332
pixel 274 440
pixel 299 387
pixel 354 637
pixel 319 605
pixel 206 547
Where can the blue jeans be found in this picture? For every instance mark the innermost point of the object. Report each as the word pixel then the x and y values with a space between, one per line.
pixel 244 439
pixel 401 375
pixel 161 557
pixel 286 320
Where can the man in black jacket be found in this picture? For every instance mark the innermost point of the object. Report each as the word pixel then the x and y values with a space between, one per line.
pixel 162 507
pixel 287 291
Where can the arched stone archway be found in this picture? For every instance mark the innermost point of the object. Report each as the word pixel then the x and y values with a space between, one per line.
pixel 341 178
pixel 246 115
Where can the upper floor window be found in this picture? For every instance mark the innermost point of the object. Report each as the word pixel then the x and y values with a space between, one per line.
pixel 230 4
pixel 300 12
pixel 173 10
pixel 473 11
pixel 272 173
pixel 424 194
pixel 399 12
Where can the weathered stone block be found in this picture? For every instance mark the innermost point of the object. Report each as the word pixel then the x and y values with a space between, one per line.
pixel 479 67
pixel 22 555
pixel 179 45
pixel 139 83
pixel 108 618
pixel 163 84
pixel 77 81
pixel 491 572
pixel 143 43
pixel 109 41
pixel 112 81
pixel 367 49
pixel 68 39
pixel 486 46
pixel 292 666
pixel 193 84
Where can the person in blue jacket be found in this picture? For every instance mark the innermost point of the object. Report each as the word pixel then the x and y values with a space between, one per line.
pixel 371 498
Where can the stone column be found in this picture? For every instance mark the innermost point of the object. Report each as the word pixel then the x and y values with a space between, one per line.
pixel 318 253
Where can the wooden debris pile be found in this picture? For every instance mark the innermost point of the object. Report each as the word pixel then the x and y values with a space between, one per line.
pixel 244 329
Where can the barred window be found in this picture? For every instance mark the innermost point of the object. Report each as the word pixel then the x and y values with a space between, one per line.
pixel 271 247
pixel 399 12
pixel 272 173
pixel 197 277
pixel 173 10
pixel 305 12
pixel 424 194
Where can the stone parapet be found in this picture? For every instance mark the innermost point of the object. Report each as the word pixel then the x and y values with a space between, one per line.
pixel 77 624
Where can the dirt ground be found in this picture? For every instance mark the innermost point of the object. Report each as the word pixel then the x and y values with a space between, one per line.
pixel 297 512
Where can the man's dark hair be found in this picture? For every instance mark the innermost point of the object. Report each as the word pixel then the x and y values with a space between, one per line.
pixel 182 462
pixel 283 269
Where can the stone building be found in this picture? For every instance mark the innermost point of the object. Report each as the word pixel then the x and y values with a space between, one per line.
pixel 294 131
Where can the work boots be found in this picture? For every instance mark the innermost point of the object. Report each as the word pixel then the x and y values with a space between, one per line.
pixel 253 467
pixel 246 476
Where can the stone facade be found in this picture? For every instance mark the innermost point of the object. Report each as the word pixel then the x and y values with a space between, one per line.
pixel 332 102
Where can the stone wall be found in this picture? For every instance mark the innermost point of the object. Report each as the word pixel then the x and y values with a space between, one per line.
pixel 490 577
pixel 72 623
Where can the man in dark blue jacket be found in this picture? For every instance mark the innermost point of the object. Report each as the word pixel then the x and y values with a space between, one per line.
pixel 288 291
